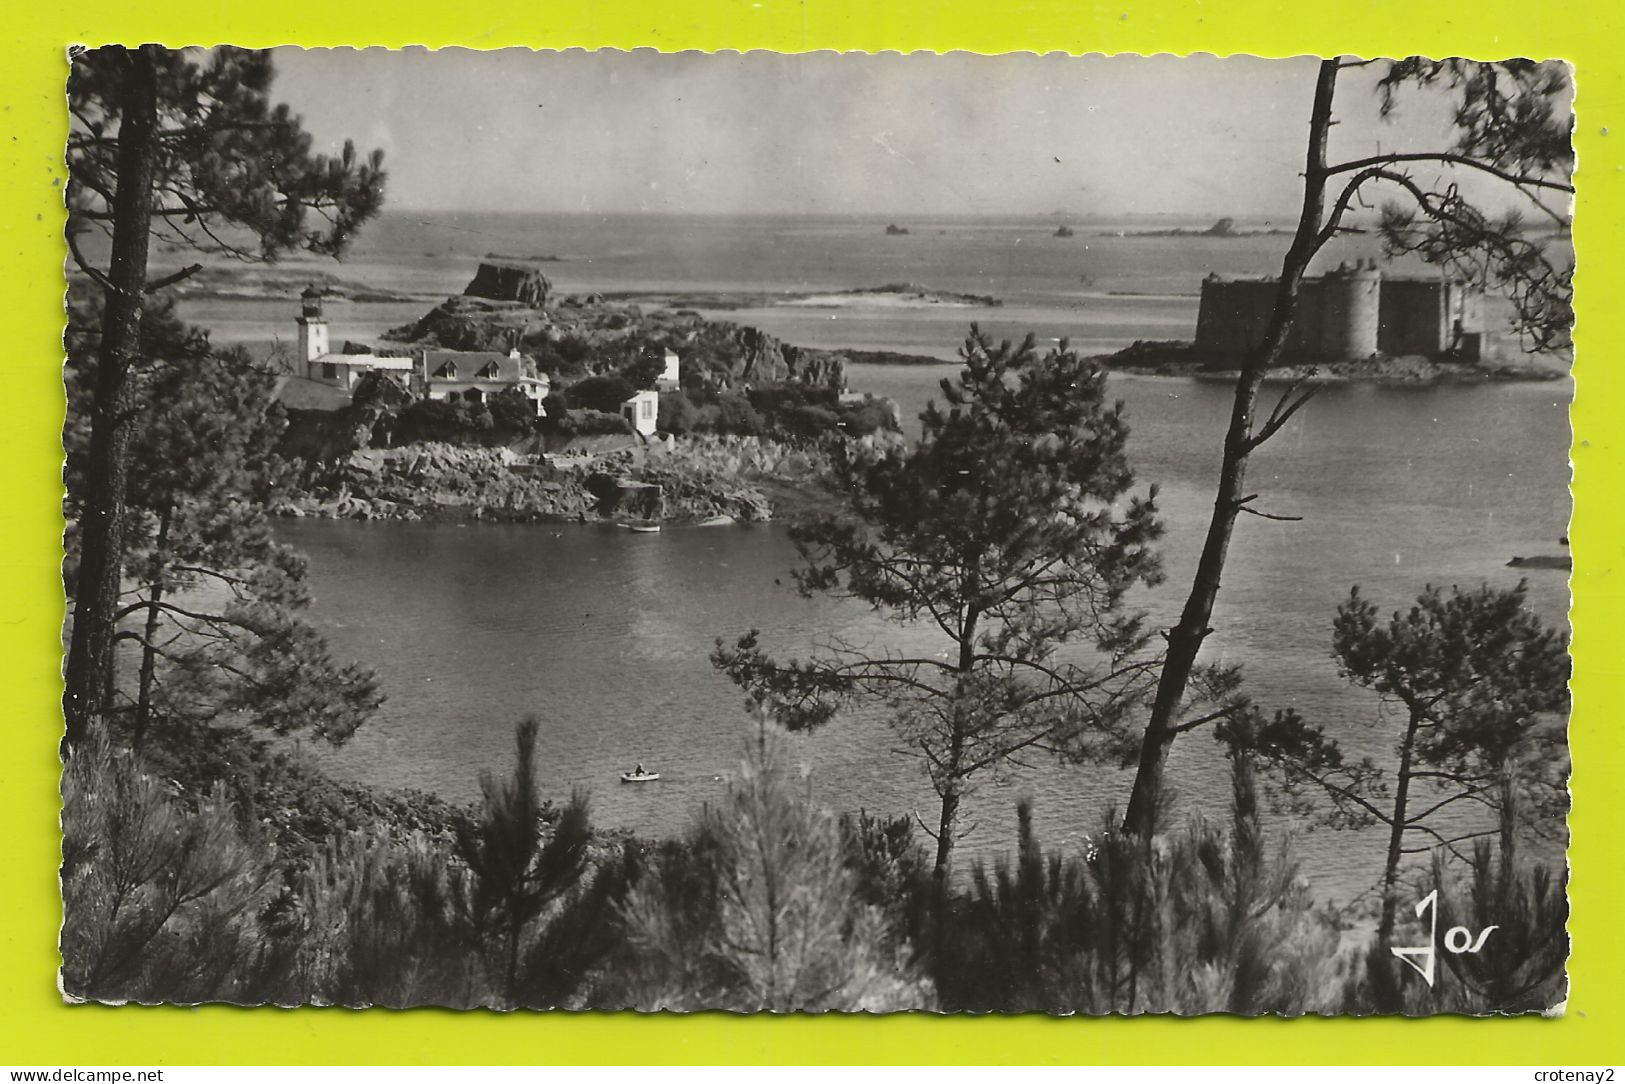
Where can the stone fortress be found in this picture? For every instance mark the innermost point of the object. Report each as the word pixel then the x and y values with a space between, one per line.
pixel 1350 314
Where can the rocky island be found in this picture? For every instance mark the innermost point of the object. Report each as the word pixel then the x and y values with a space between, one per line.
pixel 270 282
pixel 1356 322
pixel 891 295
pixel 746 429
pixel 508 306
pixel 503 258
pixel 1224 229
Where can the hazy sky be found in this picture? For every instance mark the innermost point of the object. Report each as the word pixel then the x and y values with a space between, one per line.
pixel 517 130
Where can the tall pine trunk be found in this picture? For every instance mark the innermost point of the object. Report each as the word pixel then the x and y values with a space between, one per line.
pixel 102 516
pixel 149 637
pixel 1396 835
pixel 947 820
pixel 946 826
pixel 1186 637
pixel 952 791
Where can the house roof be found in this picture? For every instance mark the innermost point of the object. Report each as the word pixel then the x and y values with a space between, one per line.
pixel 465 365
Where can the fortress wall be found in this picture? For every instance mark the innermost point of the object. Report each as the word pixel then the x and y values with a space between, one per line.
pixel 1344 316
pixel 1233 315
pixel 1417 317
pixel 1314 320
pixel 1327 336
pixel 1348 314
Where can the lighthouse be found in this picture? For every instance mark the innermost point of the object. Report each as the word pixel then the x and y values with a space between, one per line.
pixel 312 327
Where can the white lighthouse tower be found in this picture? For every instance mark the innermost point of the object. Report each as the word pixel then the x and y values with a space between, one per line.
pixel 312 329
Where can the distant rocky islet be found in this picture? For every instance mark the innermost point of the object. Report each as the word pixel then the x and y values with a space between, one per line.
pixel 508 305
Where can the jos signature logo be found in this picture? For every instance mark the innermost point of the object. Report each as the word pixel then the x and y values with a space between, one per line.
pixel 1457 939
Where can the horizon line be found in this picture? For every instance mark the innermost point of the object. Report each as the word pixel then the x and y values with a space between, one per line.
pixel 913 214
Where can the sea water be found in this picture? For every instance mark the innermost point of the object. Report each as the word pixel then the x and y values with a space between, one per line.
pixel 1103 288
pixel 605 634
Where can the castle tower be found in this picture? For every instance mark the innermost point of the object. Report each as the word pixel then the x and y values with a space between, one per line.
pixel 312 326
pixel 1353 311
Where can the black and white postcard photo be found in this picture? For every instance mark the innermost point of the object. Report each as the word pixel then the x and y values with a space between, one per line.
pixel 820 532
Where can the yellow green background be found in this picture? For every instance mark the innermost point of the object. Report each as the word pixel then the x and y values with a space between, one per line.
pixel 36 1028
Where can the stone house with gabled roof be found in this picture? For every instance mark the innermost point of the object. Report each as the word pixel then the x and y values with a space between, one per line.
pixel 473 376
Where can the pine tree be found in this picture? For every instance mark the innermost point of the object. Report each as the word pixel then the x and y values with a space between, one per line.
pixel 1512 125
pixel 185 146
pixel 157 900
pixel 1203 920
pixel 1474 672
pixel 1477 680
pixel 1527 906
pixel 1008 531
pixel 763 914
pixel 518 868
pixel 212 601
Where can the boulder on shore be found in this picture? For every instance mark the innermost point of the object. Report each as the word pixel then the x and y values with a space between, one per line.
pixel 503 282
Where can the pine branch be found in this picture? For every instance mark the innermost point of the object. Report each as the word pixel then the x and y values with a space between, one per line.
pixel 1448 158
pixel 170 280
pixel 1279 416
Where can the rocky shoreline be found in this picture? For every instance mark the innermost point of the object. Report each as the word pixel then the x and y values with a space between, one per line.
pixel 892 357
pixel 668 481
pixel 1181 359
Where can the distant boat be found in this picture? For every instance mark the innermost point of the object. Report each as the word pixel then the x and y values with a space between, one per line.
pixel 643 526
pixel 716 521
pixel 639 777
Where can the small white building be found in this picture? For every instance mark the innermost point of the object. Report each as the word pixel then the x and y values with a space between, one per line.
pixel 670 378
pixel 643 412
pixel 318 362
pixel 475 376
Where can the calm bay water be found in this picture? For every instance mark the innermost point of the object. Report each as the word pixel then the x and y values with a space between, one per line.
pixel 605 634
